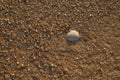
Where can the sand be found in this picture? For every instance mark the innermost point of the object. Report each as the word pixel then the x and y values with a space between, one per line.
pixel 33 43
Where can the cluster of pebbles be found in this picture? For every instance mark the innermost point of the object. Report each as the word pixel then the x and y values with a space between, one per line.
pixel 37 36
pixel 31 31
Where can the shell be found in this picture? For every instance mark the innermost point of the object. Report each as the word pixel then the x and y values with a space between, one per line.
pixel 73 35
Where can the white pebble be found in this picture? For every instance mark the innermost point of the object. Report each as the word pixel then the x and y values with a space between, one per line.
pixel 73 35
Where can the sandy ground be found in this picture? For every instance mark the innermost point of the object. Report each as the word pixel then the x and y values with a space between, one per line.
pixel 33 42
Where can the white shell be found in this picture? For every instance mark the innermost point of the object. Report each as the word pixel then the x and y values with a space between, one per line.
pixel 73 35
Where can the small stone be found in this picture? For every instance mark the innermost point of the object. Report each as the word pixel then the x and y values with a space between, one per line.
pixel 73 35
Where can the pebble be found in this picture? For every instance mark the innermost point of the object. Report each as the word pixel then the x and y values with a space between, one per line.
pixel 73 35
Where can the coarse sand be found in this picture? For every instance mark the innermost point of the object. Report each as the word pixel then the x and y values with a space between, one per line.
pixel 33 43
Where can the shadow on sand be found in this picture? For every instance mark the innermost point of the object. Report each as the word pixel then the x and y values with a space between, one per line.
pixel 70 43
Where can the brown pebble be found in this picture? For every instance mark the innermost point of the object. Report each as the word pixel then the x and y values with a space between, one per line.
pixel 117 67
